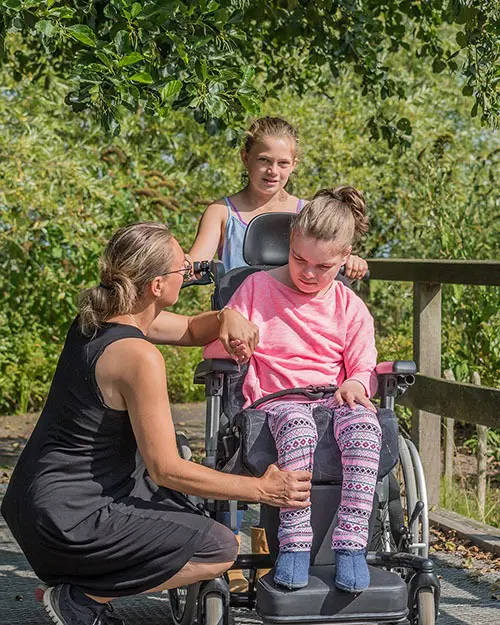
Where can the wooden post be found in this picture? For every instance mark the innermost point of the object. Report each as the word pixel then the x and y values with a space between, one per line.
pixel 426 427
pixel 449 444
pixel 482 457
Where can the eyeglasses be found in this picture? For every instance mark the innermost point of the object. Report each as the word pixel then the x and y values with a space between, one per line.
pixel 187 271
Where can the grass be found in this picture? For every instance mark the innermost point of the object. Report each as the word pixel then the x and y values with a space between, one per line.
pixel 462 498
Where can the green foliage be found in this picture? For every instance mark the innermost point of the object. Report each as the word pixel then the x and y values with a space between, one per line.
pixel 462 498
pixel 64 189
pixel 221 59
pixel 181 363
pixel 492 441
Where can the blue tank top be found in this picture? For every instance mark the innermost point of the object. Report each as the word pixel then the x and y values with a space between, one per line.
pixel 231 252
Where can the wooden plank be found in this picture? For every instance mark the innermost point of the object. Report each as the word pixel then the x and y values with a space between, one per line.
pixel 426 426
pixel 458 400
pixel 485 272
pixel 484 536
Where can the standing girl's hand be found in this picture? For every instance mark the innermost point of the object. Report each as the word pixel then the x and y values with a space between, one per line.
pixel 353 392
pixel 355 267
pixel 238 335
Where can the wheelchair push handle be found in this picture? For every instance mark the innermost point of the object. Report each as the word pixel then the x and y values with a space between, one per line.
pixel 205 272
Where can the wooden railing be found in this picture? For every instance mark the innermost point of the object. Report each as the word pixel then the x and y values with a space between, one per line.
pixel 432 396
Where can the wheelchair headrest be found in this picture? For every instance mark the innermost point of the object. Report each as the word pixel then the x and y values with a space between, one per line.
pixel 267 239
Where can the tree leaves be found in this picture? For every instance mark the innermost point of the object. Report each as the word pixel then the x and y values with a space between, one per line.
pixel 130 59
pixel 142 77
pixel 250 51
pixel 83 33
pixel 171 89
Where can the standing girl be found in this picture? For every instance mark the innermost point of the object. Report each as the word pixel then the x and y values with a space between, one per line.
pixel 315 331
pixel 269 155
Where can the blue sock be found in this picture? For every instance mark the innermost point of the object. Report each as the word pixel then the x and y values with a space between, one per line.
pixel 292 569
pixel 351 571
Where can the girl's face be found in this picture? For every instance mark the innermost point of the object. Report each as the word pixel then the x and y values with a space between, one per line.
pixel 314 264
pixel 269 163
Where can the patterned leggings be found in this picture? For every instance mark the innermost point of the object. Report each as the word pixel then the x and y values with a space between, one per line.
pixel 358 435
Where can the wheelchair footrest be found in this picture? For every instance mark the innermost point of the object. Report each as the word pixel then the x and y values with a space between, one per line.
pixel 321 602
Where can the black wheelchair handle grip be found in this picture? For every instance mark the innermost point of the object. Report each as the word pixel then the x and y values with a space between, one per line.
pixel 203 270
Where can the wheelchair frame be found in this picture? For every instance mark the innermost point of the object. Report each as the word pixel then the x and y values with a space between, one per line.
pixel 400 542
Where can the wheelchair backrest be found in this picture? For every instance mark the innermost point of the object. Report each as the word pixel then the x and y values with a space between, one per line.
pixel 265 246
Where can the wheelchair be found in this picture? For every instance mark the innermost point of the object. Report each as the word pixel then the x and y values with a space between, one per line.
pixel 404 588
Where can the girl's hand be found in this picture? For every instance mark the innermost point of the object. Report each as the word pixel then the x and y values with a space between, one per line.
pixel 353 392
pixel 355 267
pixel 285 489
pixel 238 335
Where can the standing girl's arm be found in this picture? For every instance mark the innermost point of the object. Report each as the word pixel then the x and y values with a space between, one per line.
pixel 210 232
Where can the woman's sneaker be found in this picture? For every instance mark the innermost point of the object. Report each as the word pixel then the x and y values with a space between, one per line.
pixel 64 610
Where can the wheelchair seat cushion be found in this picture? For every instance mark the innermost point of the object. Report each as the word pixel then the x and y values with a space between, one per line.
pixel 320 602
pixel 257 450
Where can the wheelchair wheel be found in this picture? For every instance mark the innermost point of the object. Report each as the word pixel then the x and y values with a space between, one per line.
pixel 214 603
pixel 414 491
pixel 183 600
pixel 402 523
pixel 212 612
pixel 183 604
pixel 183 446
pixel 383 539
pixel 423 519
pixel 426 608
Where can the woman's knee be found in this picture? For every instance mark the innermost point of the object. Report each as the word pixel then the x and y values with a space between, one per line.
pixel 219 546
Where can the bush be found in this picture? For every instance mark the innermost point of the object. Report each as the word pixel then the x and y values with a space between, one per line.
pixel 64 189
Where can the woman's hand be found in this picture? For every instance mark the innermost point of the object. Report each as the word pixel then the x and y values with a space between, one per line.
pixel 238 335
pixel 353 392
pixel 285 489
pixel 355 267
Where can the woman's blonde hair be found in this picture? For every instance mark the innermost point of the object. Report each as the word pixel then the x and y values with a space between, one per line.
pixel 134 256
pixel 270 127
pixel 337 215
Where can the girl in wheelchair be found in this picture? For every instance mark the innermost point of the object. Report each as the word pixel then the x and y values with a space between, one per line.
pixel 316 331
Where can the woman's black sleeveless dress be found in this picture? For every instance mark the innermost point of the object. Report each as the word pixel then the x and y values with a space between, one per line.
pixel 80 502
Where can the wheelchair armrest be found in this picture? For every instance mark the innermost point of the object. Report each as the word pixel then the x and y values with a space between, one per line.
pixel 397 366
pixel 394 378
pixel 212 366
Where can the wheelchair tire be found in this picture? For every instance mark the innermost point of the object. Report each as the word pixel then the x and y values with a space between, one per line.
pixel 414 490
pixel 382 539
pixel 426 607
pixel 183 604
pixel 212 610
pixel 183 446
pixel 423 520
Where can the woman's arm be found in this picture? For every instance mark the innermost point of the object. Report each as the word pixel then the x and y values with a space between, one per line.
pixel 210 232
pixel 238 335
pixel 141 382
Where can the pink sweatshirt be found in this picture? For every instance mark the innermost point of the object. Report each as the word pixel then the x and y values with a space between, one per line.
pixel 304 339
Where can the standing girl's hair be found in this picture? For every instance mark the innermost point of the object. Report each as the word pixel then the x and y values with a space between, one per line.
pixel 271 127
pixel 337 215
pixel 134 256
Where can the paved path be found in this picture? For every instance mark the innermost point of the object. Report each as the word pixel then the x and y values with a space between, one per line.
pixel 464 601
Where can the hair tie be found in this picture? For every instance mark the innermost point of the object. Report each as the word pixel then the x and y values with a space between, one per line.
pixel 104 286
